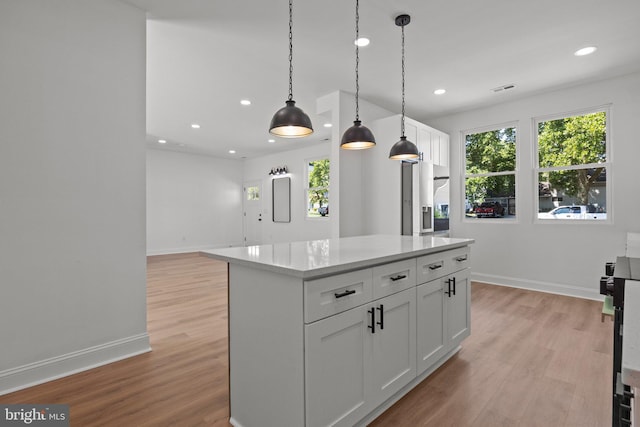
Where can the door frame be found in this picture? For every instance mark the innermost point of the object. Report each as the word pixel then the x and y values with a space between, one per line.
pixel 245 204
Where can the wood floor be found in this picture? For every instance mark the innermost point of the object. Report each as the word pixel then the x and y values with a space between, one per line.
pixel 532 359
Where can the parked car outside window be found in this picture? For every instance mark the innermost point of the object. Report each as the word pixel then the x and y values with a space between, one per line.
pixel 489 209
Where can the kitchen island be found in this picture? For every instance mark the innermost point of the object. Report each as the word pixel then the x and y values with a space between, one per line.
pixel 333 332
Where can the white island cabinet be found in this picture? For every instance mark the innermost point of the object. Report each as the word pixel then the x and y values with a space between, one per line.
pixel 333 332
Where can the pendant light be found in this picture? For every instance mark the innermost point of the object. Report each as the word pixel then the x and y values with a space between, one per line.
pixel 357 137
pixel 403 149
pixel 290 121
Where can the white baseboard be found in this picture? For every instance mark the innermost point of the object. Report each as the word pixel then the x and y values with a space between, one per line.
pixel 25 376
pixel 170 251
pixel 552 288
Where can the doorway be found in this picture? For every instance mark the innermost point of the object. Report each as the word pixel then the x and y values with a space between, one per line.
pixel 252 213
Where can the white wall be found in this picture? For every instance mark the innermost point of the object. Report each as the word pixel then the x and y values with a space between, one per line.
pixel 562 258
pixel 348 170
pixel 300 227
pixel 72 187
pixel 194 202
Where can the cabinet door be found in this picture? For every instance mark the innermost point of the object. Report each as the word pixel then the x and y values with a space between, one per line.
pixel 394 344
pixel 444 150
pixel 431 326
pixel 435 148
pixel 459 309
pixel 424 144
pixel 338 363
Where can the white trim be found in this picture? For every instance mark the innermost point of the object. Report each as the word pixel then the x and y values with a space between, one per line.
pixel 189 249
pixel 608 165
pixel 533 285
pixel 463 161
pixel 71 363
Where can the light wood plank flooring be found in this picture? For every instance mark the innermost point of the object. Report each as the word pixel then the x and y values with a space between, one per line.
pixel 533 359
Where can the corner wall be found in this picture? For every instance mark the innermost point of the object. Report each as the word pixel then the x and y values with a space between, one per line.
pixel 72 187
pixel 194 202
pixel 560 258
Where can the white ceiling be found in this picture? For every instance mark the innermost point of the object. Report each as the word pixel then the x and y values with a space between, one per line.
pixel 204 56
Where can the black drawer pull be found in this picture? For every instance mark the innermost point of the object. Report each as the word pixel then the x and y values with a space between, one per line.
pixel 398 277
pixel 345 293
pixel 435 266
pixel 462 258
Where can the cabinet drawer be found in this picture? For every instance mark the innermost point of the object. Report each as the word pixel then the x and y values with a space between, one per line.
pixel 432 266
pixel 393 277
pixel 458 259
pixel 440 264
pixel 335 294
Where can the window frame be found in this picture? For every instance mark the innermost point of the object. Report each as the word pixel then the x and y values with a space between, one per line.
pixel 306 189
pixel 537 170
pixel 463 138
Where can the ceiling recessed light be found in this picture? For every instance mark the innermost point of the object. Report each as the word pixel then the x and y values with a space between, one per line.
pixel 327 125
pixel 232 151
pixel 362 41
pixel 440 91
pixel 245 102
pixel 271 141
pixel 162 141
pixel 195 125
pixel 585 51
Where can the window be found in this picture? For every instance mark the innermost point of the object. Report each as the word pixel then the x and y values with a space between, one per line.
pixel 572 166
pixel 490 173
pixel 317 188
pixel 253 193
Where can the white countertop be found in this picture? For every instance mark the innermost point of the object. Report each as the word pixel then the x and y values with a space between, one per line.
pixel 317 258
pixel 631 333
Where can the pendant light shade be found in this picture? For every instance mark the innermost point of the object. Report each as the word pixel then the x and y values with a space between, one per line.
pixel 403 149
pixel 290 121
pixel 357 137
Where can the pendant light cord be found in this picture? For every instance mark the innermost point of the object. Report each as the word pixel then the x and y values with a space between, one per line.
pixel 402 121
pixel 357 59
pixel 290 50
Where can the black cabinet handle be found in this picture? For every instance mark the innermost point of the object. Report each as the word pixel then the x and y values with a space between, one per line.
pixel 398 277
pixel 448 292
pixel 381 322
pixel 454 285
pixel 372 312
pixel 461 258
pixel 435 266
pixel 345 293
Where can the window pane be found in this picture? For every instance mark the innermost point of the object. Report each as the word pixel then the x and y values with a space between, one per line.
pixel 571 141
pixel 318 189
pixel 318 203
pixel 253 193
pixel 490 197
pixel 573 194
pixel 492 151
pixel 319 173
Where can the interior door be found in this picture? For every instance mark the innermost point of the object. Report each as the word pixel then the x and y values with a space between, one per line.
pixel 252 213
